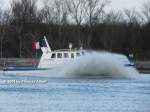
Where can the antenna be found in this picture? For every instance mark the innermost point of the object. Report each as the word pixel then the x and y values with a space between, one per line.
pixel 70 46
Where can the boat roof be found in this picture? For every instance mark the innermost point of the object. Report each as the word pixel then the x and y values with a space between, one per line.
pixel 67 50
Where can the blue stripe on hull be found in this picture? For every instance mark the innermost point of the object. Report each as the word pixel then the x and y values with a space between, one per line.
pixel 23 68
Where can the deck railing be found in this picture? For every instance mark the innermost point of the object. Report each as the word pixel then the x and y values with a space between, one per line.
pixel 8 62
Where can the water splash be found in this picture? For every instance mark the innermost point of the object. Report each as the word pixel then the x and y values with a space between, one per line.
pixel 100 64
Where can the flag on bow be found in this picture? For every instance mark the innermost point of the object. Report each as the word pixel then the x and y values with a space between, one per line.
pixel 35 45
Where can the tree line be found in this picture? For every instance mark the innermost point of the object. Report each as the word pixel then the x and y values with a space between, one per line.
pixel 81 22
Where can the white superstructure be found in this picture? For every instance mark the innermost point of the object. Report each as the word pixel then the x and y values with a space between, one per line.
pixel 57 58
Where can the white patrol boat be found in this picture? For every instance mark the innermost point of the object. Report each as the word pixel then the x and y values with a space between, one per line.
pixel 50 60
pixel 55 61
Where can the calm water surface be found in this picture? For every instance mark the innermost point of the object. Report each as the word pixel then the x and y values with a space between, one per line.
pixel 75 95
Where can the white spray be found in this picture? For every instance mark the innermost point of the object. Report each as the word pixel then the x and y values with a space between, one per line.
pixel 99 64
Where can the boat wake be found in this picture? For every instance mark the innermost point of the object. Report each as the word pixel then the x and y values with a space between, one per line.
pixel 99 64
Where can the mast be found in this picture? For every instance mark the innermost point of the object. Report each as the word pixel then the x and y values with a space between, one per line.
pixel 48 47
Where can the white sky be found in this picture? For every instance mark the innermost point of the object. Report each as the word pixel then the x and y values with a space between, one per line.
pixel 129 4
pixel 115 4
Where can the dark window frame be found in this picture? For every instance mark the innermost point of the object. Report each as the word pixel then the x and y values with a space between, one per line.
pixel 66 55
pixel 59 55
pixel 78 54
pixel 53 55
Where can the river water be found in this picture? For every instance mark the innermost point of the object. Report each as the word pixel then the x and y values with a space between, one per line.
pixel 36 94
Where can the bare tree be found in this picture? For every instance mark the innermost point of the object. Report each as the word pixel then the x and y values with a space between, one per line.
pixel 146 12
pixel 77 10
pixel 60 17
pixel 133 20
pixel 132 16
pixel 111 20
pixel 57 11
pixel 47 14
pixel 23 12
pixel 1 32
pixel 113 17
pixel 94 14
pixel 95 10
pixel 4 22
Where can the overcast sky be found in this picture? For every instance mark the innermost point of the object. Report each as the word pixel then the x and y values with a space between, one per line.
pixel 129 4
pixel 115 4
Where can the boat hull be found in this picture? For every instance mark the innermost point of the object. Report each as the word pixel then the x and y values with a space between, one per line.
pixel 51 72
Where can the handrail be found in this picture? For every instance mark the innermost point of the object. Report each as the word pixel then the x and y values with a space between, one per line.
pixel 18 62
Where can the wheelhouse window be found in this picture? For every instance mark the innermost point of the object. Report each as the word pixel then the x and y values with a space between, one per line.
pixel 72 55
pixel 53 55
pixel 78 54
pixel 66 55
pixel 59 55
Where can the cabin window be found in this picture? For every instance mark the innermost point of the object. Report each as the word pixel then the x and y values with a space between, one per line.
pixel 78 54
pixel 72 55
pixel 59 55
pixel 66 55
pixel 53 55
